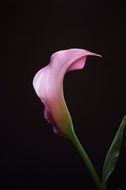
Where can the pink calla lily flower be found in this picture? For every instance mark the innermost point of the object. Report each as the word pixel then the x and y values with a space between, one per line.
pixel 48 84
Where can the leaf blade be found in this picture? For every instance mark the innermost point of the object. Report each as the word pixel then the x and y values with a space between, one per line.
pixel 113 153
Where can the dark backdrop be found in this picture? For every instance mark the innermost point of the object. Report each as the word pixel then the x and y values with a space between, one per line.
pixel 31 156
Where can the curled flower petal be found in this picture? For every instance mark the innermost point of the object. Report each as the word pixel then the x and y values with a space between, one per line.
pixel 48 84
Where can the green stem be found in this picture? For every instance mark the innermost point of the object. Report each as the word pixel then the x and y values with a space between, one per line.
pixel 87 161
pixel 104 185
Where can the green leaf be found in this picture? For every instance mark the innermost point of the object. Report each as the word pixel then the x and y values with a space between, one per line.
pixel 113 153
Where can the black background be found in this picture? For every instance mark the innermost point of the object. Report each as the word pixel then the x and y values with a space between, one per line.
pixel 31 156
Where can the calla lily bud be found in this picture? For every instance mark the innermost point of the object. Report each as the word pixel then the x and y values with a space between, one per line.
pixel 48 84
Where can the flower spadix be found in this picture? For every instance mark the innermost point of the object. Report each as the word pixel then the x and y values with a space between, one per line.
pixel 48 84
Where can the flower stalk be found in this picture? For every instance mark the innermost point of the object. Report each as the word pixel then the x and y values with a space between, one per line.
pixel 87 161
